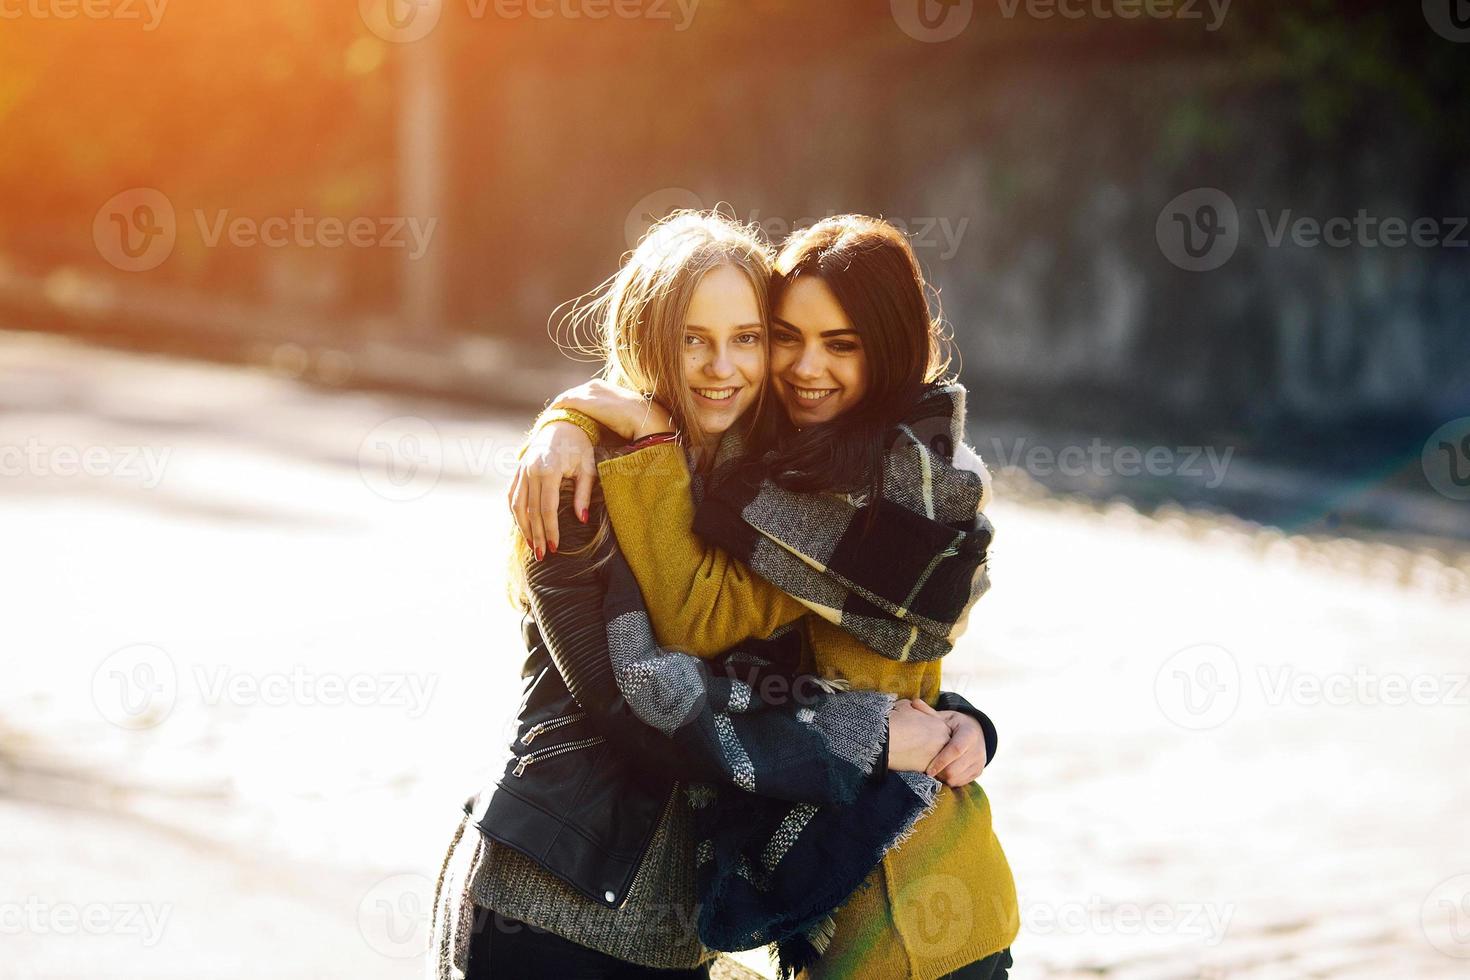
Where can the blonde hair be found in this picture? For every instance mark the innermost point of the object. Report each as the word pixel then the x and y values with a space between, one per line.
pixel 634 323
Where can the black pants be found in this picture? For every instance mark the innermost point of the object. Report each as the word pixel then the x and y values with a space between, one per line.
pixel 502 948
pixel 993 967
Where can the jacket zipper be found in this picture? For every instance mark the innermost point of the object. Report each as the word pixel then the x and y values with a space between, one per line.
pixel 664 816
pixel 550 726
pixel 555 751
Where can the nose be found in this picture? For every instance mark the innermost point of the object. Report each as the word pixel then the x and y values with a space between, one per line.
pixel 719 366
pixel 809 365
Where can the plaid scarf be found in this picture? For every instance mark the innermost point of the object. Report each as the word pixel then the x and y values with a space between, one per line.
pixel 902 582
pixel 794 817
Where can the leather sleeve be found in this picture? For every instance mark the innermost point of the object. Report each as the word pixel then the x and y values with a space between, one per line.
pixel 950 701
pixel 566 595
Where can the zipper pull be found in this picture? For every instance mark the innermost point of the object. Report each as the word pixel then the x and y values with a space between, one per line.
pixel 531 733
pixel 522 763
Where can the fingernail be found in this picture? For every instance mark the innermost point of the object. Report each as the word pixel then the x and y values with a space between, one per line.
pixel 552 546
pixel 538 552
pixel 584 515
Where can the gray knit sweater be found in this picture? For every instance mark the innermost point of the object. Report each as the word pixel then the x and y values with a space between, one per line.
pixel 655 926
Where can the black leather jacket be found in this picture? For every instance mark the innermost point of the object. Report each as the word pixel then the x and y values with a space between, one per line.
pixel 588 781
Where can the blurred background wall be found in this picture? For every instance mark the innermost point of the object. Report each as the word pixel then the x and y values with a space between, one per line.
pixel 500 156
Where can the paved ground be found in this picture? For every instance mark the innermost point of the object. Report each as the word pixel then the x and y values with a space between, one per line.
pixel 257 649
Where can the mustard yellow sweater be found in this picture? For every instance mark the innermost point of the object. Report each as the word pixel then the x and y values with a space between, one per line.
pixel 942 899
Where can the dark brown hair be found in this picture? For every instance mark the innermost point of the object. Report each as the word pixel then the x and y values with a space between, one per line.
pixel 875 276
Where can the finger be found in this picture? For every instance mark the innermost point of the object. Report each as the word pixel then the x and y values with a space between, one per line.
pixel 550 491
pixel 923 706
pixel 948 754
pixel 582 495
pixel 533 512
pixel 519 506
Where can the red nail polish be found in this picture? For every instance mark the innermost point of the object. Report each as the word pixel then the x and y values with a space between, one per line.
pixel 552 546
pixel 538 552
pixel 584 515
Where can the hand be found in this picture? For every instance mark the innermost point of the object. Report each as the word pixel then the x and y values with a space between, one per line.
pixel 916 734
pixel 963 759
pixel 626 412
pixel 557 451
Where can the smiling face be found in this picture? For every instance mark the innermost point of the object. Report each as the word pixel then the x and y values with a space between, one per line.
pixel 818 364
pixel 724 348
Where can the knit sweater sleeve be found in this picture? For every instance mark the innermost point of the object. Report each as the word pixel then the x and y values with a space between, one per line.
pixel 699 598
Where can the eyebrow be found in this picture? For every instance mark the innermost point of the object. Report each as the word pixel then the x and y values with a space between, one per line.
pixel 795 329
pixel 741 326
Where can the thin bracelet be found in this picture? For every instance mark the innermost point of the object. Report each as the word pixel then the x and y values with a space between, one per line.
pixel 652 439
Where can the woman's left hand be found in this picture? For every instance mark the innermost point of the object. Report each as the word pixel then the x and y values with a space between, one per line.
pixel 961 761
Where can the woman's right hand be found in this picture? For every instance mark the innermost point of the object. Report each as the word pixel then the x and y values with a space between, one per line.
pixel 915 736
pixel 557 451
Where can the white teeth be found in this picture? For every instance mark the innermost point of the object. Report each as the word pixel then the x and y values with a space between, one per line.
pixel 716 394
pixel 813 394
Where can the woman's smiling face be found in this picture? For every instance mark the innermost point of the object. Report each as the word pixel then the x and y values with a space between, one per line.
pixel 818 364
pixel 724 348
